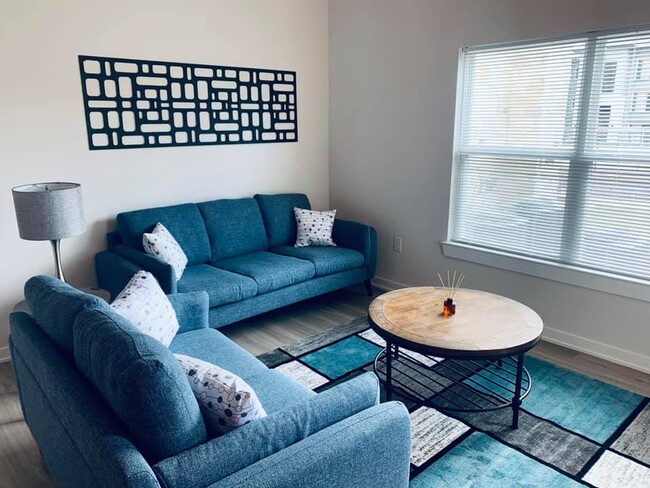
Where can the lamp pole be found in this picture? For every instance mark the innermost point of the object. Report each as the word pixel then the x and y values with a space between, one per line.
pixel 56 249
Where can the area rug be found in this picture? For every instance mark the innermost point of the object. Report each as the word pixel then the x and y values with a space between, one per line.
pixel 573 430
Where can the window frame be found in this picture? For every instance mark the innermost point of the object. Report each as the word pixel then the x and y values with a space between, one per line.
pixel 612 283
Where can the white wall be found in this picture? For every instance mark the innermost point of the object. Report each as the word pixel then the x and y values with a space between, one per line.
pixel 43 134
pixel 392 98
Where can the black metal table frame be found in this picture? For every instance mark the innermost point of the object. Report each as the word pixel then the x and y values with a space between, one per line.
pixel 455 361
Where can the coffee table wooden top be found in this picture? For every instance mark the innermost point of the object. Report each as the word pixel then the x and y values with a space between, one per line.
pixel 485 324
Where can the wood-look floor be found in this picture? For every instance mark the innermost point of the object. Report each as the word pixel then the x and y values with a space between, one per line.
pixel 20 465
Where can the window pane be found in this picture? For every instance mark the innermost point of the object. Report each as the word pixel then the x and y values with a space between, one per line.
pixel 523 99
pixel 624 64
pixel 616 225
pixel 514 205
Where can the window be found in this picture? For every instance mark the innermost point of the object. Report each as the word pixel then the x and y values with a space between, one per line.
pixel 609 77
pixel 642 66
pixel 552 153
pixel 604 116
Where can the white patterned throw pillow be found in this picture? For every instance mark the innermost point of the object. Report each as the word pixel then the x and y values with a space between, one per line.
pixel 227 401
pixel 161 243
pixel 146 306
pixel 314 228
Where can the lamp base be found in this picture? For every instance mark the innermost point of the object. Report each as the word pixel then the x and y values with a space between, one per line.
pixel 56 249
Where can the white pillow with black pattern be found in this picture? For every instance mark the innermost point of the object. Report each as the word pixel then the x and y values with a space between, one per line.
pixel 226 400
pixel 143 303
pixel 161 243
pixel 314 228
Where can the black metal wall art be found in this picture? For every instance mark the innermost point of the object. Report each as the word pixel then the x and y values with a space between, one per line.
pixel 131 103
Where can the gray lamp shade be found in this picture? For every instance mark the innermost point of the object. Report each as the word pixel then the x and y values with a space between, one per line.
pixel 49 211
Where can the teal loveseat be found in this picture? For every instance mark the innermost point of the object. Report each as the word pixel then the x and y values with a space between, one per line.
pixel 110 407
pixel 240 251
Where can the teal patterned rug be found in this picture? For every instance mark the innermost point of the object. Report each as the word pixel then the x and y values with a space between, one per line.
pixel 573 430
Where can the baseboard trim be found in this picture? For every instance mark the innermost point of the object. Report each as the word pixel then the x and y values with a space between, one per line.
pixel 600 350
pixel 577 343
pixel 5 356
pixel 387 285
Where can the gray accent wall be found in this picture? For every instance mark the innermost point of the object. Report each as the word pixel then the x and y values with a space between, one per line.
pixel 393 68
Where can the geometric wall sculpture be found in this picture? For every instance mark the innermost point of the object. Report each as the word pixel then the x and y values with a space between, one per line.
pixel 135 104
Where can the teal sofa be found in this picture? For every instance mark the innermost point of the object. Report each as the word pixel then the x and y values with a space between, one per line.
pixel 240 251
pixel 110 407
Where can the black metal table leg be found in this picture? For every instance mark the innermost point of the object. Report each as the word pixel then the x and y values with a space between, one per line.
pixel 389 368
pixel 516 400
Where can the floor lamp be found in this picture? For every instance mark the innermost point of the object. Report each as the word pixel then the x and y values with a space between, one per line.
pixel 50 212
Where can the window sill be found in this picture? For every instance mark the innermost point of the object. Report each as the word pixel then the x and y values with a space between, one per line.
pixel 594 280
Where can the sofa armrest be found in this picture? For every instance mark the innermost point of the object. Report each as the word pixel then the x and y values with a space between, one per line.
pixel 113 272
pixel 368 450
pixel 163 272
pixel 192 310
pixel 360 237
pixel 220 457
pixel 113 239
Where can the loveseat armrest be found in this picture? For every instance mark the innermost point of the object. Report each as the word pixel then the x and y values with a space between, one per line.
pixel 368 450
pixel 192 310
pixel 113 272
pixel 360 237
pixel 223 456
pixel 113 239
pixel 163 272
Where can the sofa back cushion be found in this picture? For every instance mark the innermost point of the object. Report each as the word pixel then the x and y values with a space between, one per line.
pixel 184 222
pixel 235 227
pixel 279 220
pixel 55 304
pixel 142 382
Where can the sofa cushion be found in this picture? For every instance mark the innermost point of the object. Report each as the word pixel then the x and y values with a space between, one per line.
pixel 141 381
pixel 55 304
pixel 274 390
pixel 161 244
pixel 222 286
pixel 271 271
pixel 184 222
pixel 143 303
pixel 326 260
pixel 278 392
pixel 235 227
pixel 214 347
pixel 314 228
pixel 226 400
pixel 279 220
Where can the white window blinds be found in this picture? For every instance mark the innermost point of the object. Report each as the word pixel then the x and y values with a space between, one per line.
pixel 552 151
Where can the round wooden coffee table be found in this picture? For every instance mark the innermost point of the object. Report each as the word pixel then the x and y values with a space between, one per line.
pixel 472 361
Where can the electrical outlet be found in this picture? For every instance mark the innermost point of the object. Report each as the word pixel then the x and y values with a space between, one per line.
pixel 397 244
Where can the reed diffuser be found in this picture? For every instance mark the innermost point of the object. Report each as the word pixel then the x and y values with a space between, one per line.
pixel 451 287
